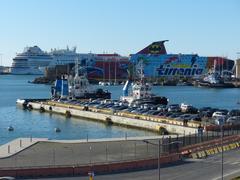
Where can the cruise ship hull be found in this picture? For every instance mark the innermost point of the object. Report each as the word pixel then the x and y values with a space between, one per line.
pixel 26 71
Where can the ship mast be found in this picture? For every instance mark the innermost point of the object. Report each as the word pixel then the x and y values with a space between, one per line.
pixel 76 67
pixel 141 71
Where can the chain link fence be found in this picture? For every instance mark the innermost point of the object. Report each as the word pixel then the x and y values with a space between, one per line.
pixel 55 154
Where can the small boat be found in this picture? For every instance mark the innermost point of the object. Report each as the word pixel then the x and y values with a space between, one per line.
pixel 57 130
pixel 10 128
pixel 77 87
pixel 20 101
pixel 214 80
pixel 102 83
pixel 141 93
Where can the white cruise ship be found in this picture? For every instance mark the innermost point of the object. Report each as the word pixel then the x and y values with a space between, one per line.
pixel 67 56
pixel 32 61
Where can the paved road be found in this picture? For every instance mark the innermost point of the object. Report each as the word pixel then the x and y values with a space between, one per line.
pixel 206 169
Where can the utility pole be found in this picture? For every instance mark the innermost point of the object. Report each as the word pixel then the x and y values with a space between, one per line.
pixel 159 154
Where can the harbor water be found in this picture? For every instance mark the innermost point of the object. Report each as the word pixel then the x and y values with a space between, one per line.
pixel 35 124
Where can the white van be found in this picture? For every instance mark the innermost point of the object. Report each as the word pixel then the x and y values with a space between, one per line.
pixel 218 114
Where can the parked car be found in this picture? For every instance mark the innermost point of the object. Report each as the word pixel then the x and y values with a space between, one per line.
pixel 162 108
pixel 7 178
pixel 184 107
pixel 219 114
pixel 184 117
pixel 220 120
pixel 174 108
pixel 233 120
pixel 195 117
pixel 234 112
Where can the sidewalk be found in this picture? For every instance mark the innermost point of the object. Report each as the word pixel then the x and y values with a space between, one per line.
pixel 17 145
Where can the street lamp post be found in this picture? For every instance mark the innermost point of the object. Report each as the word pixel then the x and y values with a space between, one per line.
pixel 159 154
pixel 222 148
pixel 221 123
pixel 159 150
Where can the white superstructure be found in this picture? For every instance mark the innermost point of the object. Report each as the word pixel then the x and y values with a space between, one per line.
pixel 32 61
pixel 78 85
pixel 67 56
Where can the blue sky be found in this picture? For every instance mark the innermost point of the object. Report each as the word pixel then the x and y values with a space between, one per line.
pixel 206 27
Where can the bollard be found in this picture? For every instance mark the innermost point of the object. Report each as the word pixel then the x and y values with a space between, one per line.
pixel 87 137
pixel 31 138
pixel 8 149
pixel 125 136
pixel 20 142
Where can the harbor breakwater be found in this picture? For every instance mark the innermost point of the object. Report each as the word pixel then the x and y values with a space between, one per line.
pixel 152 123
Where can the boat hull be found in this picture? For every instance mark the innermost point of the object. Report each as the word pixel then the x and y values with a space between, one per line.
pixel 26 71
pixel 156 100
pixel 215 85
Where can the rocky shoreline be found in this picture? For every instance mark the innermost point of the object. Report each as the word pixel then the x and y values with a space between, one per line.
pixel 42 80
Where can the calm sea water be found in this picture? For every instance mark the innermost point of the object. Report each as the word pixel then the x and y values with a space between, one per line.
pixel 35 124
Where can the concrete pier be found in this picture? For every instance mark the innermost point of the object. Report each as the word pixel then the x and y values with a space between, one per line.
pixel 152 123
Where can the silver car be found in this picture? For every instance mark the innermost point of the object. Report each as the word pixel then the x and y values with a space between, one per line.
pixel 233 120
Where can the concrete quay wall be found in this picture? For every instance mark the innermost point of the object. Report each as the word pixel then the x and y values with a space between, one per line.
pixel 133 122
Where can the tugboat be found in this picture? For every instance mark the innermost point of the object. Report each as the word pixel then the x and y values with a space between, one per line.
pixel 214 80
pixel 141 93
pixel 77 87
